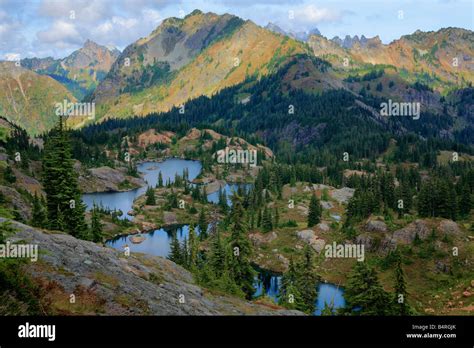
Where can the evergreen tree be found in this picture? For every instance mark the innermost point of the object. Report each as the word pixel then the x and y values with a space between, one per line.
pixel 204 195
pixel 306 281
pixel 407 196
pixel 276 218
pixel 202 223
pixel 217 258
pixel 193 248
pixel 150 196
pixel 96 225
pixel 401 306
pixel 314 214
pixel 175 252
pixel 425 201
pixel 185 253
pixel 298 284
pixel 240 250
pixel 8 175
pixel 289 296
pixel 223 201
pixel 293 178
pixel 39 218
pixel 267 224
pixel 465 202
pixel 64 205
pixel 160 179
pixel 364 295
pixel 60 220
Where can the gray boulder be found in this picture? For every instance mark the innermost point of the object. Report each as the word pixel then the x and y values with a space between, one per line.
pixel 407 234
pixel 449 227
pixel 375 226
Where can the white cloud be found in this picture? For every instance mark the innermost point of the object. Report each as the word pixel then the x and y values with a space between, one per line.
pixel 12 57
pixel 86 11
pixel 60 34
pixel 126 23
pixel 151 16
pixel 312 14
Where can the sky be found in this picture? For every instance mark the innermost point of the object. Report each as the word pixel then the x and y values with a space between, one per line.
pixel 56 28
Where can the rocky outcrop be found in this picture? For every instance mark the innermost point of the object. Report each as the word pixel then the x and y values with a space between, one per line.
pixel 27 182
pixel 259 239
pixel 151 137
pixel 322 226
pixel 343 195
pixel 170 218
pixel 17 202
pixel 326 205
pixel 124 285
pixel 375 226
pixel 105 179
pixel 308 236
pixel 449 227
pixel 407 234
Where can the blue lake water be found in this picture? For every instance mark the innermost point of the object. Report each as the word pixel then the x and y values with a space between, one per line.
pixel 229 189
pixel 158 242
pixel 124 200
pixel 328 293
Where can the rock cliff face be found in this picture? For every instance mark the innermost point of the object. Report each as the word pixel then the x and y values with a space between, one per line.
pixel 106 281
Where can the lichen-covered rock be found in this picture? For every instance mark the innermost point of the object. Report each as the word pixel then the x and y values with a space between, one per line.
pixel 170 218
pixel 449 227
pixel 327 205
pixel 366 240
pixel 285 262
pixel 407 234
pixel 259 239
pixel 343 195
pixel 375 226
pixel 312 239
pixel 323 226
pixel 17 202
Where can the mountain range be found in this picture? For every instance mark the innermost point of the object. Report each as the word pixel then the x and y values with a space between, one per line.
pixel 203 53
pixel 299 35
pixel 81 71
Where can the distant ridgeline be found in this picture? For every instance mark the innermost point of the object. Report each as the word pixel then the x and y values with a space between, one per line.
pixel 300 126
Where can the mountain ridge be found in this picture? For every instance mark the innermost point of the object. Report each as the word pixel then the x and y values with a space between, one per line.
pixel 81 71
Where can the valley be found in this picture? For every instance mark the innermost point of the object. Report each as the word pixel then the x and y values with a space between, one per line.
pixel 224 163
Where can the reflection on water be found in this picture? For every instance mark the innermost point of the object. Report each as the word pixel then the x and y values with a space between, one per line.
pixel 124 200
pixel 157 243
pixel 328 293
pixel 229 189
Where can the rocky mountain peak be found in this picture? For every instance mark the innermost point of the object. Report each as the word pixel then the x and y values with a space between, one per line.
pixel 90 44
pixel 297 35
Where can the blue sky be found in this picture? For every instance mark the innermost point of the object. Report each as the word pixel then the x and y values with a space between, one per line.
pixel 58 27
